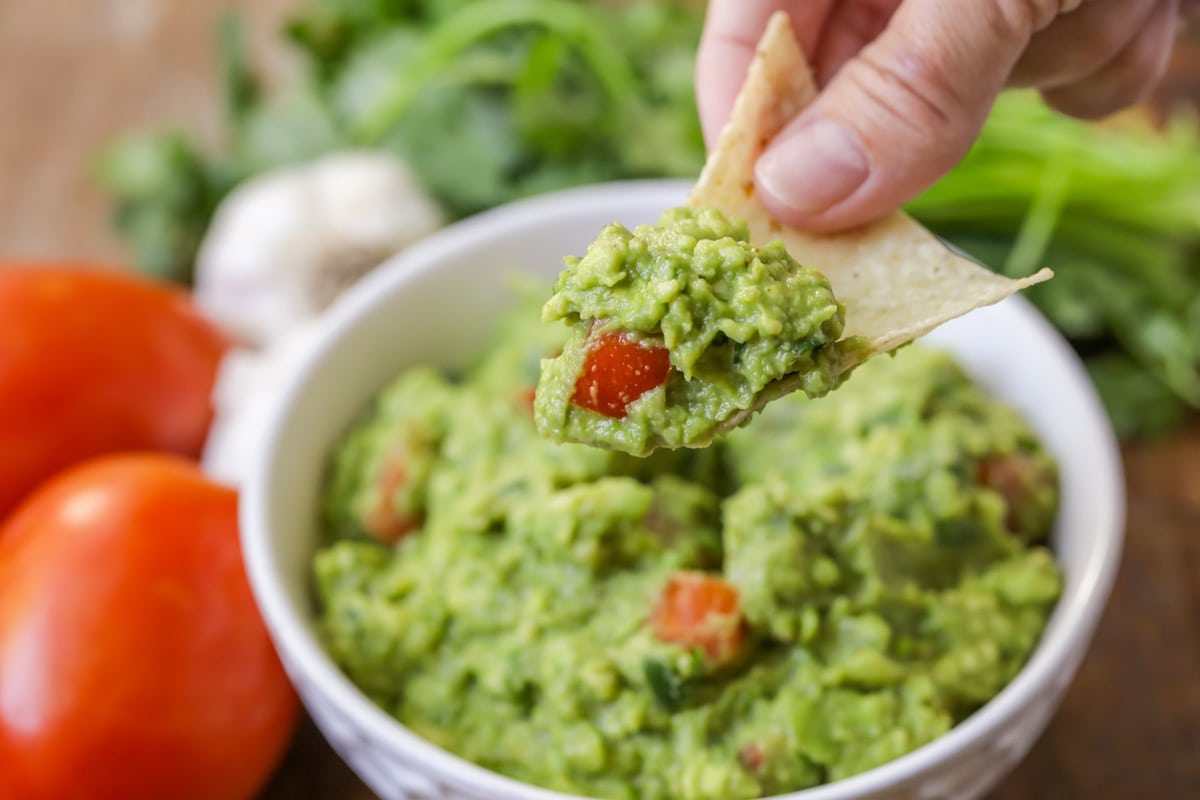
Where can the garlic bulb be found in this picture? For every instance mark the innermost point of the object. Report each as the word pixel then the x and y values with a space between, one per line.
pixel 246 389
pixel 285 243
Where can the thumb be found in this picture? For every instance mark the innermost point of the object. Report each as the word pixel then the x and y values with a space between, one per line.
pixel 898 115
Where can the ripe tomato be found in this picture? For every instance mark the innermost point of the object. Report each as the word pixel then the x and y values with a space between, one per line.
pixel 701 611
pixel 92 362
pixel 133 661
pixel 617 371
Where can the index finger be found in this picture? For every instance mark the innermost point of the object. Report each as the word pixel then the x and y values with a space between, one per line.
pixel 731 33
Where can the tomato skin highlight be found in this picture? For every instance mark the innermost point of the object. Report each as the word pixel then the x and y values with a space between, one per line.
pixel 617 371
pixel 702 611
pixel 133 662
pixel 96 361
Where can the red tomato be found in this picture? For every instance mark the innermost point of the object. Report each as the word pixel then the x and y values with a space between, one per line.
pixel 133 661
pixel 385 522
pixel 528 398
pixel 702 611
pixel 95 361
pixel 751 757
pixel 617 371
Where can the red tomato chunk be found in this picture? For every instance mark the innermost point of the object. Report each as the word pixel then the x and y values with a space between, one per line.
pixel 1016 477
pixel 617 371
pixel 384 522
pixel 701 611
pixel 751 757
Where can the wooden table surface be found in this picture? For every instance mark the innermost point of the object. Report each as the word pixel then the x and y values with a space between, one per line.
pixel 75 72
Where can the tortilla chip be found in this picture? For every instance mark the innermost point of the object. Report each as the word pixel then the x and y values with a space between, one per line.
pixel 896 279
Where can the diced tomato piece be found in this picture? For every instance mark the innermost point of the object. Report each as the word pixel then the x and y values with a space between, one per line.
pixel 751 757
pixel 618 370
pixel 383 521
pixel 1016 478
pixel 701 611
pixel 528 396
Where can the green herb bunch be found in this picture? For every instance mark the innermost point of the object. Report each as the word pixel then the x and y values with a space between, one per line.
pixel 1114 209
pixel 487 101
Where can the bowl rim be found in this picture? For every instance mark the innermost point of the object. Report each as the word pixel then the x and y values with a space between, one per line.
pixel 303 654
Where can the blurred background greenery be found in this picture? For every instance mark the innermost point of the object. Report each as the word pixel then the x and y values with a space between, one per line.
pixel 491 101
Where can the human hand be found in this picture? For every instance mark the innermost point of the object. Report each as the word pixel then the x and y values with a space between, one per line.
pixel 908 84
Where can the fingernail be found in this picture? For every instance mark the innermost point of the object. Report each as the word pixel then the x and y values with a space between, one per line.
pixel 813 168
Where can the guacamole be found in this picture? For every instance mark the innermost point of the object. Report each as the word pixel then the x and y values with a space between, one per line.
pixel 808 598
pixel 678 328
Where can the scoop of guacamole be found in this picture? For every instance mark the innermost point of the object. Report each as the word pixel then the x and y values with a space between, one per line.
pixel 677 327
pixel 806 599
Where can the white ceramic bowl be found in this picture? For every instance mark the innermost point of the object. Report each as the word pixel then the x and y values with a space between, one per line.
pixel 436 303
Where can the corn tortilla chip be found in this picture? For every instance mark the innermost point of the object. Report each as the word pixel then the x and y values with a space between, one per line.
pixel 896 279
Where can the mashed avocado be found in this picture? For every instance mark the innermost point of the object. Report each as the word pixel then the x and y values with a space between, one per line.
pixel 677 327
pixel 806 599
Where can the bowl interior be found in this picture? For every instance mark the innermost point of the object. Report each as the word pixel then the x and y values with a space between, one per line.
pixel 437 303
